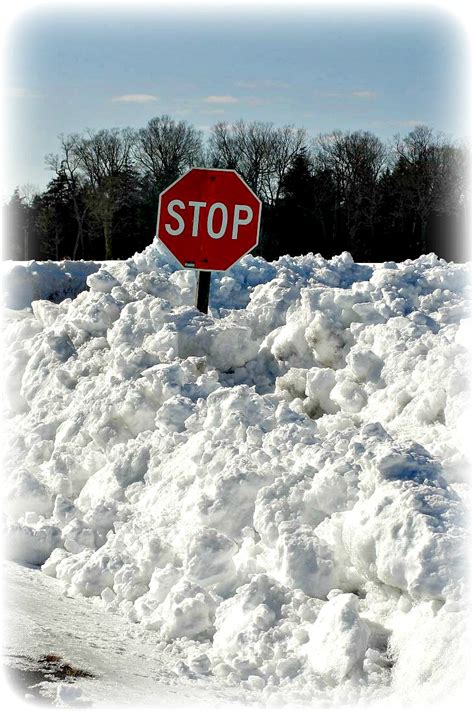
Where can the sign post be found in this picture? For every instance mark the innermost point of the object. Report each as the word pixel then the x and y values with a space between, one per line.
pixel 203 289
pixel 208 219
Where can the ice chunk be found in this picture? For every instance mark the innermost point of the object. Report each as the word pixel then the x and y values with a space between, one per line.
pixel 338 639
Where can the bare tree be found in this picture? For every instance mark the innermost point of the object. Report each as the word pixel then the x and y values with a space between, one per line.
pixel 28 192
pixel 355 160
pixel 223 148
pixel 431 175
pixel 165 149
pixel 255 144
pixel 452 181
pixel 68 164
pixel 105 158
pixel 259 152
pixel 287 143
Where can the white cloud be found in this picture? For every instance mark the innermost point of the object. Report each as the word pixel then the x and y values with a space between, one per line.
pixel 328 94
pixel 364 94
pixel 247 84
pixel 411 123
pixel 336 94
pixel 276 84
pixel 226 99
pixel 136 98
pixel 257 101
pixel 212 112
pixel 21 93
pixel 263 84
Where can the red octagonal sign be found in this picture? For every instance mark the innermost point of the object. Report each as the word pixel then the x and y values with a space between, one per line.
pixel 208 219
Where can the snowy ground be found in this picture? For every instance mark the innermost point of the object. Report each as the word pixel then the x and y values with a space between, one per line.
pixel 272 496
pixel 122 658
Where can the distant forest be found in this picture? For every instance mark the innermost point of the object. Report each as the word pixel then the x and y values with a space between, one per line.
pixel 330 193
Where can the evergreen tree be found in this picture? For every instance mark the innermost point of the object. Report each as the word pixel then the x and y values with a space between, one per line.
pixel 15 228
pixel 54 220
pixel 295 222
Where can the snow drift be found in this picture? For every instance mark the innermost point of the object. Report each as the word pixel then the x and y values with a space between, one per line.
pixel 277 488
pixel 23 283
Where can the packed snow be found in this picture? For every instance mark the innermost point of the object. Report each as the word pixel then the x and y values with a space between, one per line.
pixel 276 490
pixel 25 282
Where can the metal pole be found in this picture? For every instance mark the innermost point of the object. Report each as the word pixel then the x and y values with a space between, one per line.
pixel 203 287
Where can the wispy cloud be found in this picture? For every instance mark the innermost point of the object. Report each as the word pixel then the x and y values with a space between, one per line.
pixel 328 94
pixel 365 94
pixel 247 84
pixel 276 84
pixel 247 100
pixel 263 84
pixel 212 112
pixel 256 101
pixel 397 123
pixel 356 93
pixel 411 122
pixel 17 92
pixel 136 98
pixel 225 99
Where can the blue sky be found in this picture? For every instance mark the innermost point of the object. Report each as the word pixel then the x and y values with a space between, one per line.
pixel 349 68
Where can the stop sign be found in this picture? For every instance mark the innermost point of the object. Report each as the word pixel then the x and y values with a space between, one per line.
pixel 208 219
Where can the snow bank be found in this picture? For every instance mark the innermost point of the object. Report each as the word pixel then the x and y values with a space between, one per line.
pixel 23 283
pixel 277 488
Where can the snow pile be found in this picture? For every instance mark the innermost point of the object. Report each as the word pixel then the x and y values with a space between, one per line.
pixel 278 489
pixel 23 283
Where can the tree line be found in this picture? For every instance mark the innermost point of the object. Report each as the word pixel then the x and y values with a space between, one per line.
pixel 330 193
